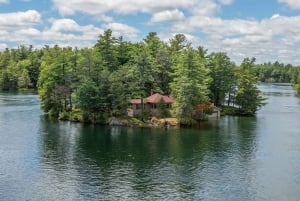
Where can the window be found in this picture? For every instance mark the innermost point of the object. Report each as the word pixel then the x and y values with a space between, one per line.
pixel 138 106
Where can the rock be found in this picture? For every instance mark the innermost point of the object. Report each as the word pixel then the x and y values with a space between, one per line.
pixel 113 121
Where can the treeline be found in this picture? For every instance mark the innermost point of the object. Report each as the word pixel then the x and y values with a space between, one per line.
pixel 19 68
pixel 99 81
pixel 277 72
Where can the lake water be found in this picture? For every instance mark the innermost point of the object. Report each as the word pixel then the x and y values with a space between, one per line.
pixel 234 158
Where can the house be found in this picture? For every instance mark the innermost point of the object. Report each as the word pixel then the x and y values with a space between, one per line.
pixel 150 104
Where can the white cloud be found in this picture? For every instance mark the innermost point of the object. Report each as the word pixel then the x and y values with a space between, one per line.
pixel 3 46
pixel 226 2
pixel 273 38
pixel 120 29
pixel 18 27
pixel 65 25
pixel 103 18
pixel 20 19
pixel 205 8
pixel 119 6
pixel 30 32
pixel 293 4
pixel 167 16
pixel 269 39
pixel 67 32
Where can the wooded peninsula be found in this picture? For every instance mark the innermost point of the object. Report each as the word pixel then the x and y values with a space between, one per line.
pixel 93 84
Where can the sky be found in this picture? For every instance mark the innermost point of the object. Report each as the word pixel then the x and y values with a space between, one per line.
pixel 268 30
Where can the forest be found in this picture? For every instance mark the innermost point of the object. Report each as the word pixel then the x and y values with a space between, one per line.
pixel 92 84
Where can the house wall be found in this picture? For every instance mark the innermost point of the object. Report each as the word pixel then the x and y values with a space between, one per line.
pixel 216 113
pixel 135 110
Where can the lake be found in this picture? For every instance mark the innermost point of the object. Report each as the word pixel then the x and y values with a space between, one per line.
pixel 233 158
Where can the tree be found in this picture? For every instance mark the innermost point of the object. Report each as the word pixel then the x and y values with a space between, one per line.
pixel 88 97
pixel 153 43
pixel 162 70
pixel 178 43
pixel 189 86
pixel 107 48
pixel 163 109
pixel 143 70
pixel 248 98
pixel 54 83
pixel 222 74
pixel 122 88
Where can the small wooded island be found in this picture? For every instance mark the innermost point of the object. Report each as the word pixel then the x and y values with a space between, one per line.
pixel 135 81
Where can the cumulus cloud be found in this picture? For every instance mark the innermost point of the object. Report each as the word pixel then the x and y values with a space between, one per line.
pixel 67 32
pixel 120 29
pixel 119 6
pixel 293 4
pixel 268 39
pixel 273 38
pixel 20 19
pixel 18 27
pixel 103 18
pixel 65 25
pixel 205 8
pixel 167 16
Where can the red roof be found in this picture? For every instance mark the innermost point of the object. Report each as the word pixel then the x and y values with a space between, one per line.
pixel 155 98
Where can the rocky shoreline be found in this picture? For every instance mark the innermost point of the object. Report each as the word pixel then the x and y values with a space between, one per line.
pixel 154 122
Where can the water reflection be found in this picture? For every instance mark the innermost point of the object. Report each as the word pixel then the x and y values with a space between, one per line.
pixel 139 163
pixel 232 158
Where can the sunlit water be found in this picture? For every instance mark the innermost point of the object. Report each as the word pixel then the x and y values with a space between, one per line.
pixel 233 158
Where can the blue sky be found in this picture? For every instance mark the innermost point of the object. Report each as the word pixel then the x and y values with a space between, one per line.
pixel 266 29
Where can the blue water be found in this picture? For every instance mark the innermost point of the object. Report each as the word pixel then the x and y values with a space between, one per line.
pixel 234 158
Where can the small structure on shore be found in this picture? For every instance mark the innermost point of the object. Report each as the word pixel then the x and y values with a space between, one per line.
pixel 150 104
pixel 211 110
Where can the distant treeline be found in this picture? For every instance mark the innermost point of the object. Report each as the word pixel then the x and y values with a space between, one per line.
pixel 100 80
pixel 277 72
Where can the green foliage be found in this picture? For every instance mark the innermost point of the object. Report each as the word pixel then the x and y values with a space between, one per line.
pixel 9 81
pixel 65 115
pixel 189 86
pixel 222 74
pixel 248 98
pixel 99 81
pixel 144 115
pixel 88 97
pixel 121 87
pixel 163 109
pixel 187 121
pixel 55 80
pixel 106 46
pixel 19 68
pixel 229 110
pixel 276 72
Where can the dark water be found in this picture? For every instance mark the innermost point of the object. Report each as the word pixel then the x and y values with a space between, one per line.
pixel 231 159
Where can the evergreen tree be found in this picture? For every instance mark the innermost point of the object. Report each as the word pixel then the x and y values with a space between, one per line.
pixel 189 86
pixel 222 74
pixel 248 98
